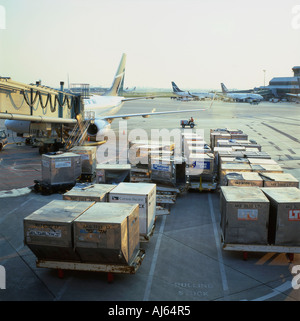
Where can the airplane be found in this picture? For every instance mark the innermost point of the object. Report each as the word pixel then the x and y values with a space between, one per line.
pixel 185 95
pixel 107 105
pixel 104 107
pixel 240 96
pixel 127 90
pixel 297 96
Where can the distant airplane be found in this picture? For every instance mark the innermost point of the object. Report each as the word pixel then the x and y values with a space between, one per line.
pixel 186 94
pixel 103 106
pixel 297 96
pixel 127 90
pixel 241 96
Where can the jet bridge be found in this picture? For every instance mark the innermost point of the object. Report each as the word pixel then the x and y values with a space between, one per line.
pixel 38 102
pixel 44 111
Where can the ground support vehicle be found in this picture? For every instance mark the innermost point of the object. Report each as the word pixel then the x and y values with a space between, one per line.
pixel 184 123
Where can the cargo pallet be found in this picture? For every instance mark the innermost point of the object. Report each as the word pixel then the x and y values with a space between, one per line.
pixel 245 248
pixel 47 189
pixel 61 266
pixel 147 237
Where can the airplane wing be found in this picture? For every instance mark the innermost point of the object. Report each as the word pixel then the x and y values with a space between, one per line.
pixel 152 113
pixel 137 98
pixel 293 95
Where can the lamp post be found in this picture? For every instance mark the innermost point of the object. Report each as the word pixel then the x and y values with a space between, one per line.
pixel 264 70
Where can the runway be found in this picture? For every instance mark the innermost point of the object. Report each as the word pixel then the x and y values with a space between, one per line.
pixel 184 260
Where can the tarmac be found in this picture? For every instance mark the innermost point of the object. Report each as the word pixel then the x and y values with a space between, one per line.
pixel 184 259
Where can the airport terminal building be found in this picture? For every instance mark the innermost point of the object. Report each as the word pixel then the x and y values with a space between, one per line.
pixel 280 86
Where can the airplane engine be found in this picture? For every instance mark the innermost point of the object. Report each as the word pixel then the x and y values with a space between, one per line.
pixel 99 129
pixel 18 126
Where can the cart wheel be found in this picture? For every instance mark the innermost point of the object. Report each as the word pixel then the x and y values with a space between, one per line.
pixel 60 273
pixel 245 256
pixel 110 277
pixel 291 257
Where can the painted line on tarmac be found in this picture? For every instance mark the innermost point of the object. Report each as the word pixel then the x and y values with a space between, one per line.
pixel 14 210
pixel 154 260
pixel 219 251
pixel 277 291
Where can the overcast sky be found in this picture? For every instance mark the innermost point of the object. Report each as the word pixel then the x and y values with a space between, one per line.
pixel 196 43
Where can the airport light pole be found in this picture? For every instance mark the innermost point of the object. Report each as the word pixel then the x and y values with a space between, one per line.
pixel 264 70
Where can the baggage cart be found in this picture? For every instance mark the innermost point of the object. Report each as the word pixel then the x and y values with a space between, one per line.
pixel 110 269
pixel 245 248
pixel 112 173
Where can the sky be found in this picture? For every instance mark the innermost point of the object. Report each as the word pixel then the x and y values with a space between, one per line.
pixel 196 43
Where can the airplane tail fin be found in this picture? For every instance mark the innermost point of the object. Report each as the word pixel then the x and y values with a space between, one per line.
pixel 114 89
pixel 224 89
pixel 175 88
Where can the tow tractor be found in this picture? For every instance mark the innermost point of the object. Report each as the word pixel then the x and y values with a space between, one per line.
pixel 189 122
pixel 3 139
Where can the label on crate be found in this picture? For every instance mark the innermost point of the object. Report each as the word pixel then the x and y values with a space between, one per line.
pixel 44 232
pixel 62 164
pixel 160 167
pixel 294 215
pixel 247 214
pixel 201 165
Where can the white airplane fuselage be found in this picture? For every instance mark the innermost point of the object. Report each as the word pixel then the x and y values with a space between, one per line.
pixel 245 96
pixel 103 105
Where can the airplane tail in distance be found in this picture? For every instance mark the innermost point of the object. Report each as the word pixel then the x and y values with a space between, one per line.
pixel 224 89
pixel 175 88
pixel 114 89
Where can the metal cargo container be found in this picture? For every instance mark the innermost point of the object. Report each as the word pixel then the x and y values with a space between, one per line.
pixel 244 215
pixel 161 153
pixel 200 164
pixel 163 145
pixel 232 167
pixel 284 224
pixel 261 161
pixel 48 231
pixel 234 131
pixel 197 150
pixel 238 143
pixel 142 193
pixel 232 160
pixel 266 168
pixel 256 154
pixel 239 136
pixel 88 158
pixel 190 137
pixel 112 173
pixel 61 168
pixel 107 233
pixel 170 170
pixel 94 193
pixel 239 152
pixel 279 180
pixel 243 179
pixel 215 136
